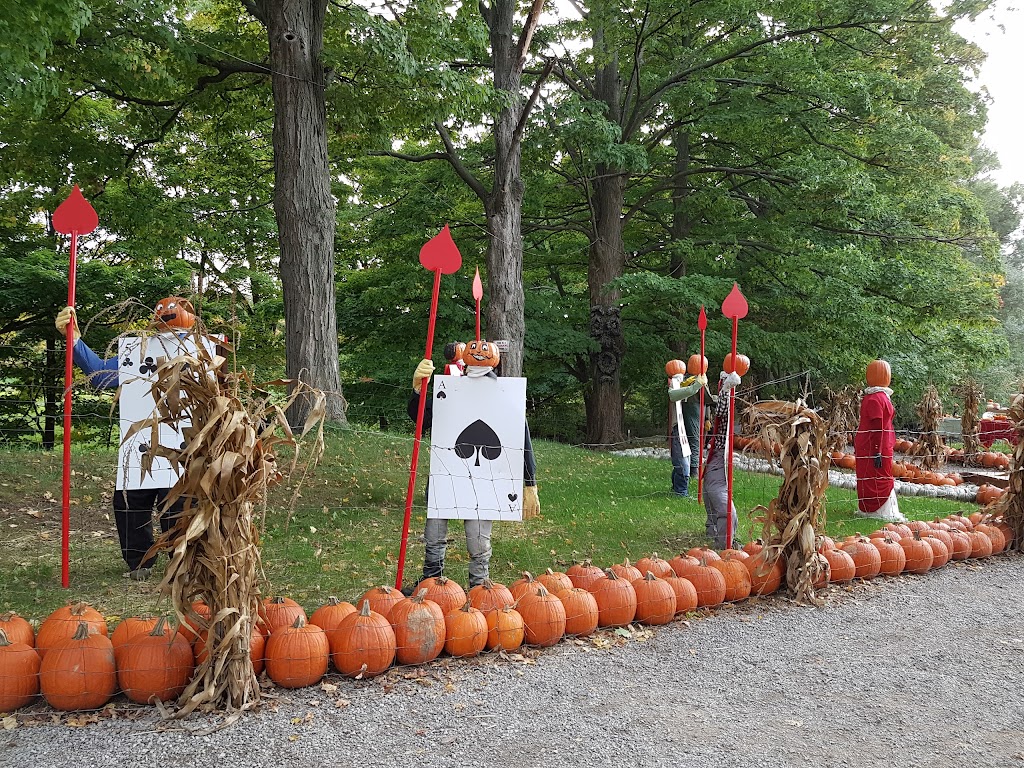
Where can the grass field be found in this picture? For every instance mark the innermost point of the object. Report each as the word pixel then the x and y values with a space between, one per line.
pixel 343 532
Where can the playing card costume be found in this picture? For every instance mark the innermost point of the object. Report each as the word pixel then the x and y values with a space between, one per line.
pixel 684 423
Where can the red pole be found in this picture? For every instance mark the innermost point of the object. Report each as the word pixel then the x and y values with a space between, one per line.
pixel 65 539
pixel 732 421
pixel 702 323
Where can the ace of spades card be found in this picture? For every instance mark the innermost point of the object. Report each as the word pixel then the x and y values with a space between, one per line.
pixel 476 449
pixel 138 357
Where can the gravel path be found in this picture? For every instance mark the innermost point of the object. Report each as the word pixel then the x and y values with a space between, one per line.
pixel 913 671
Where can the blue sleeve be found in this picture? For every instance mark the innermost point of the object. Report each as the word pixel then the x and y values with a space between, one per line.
pixel 529 462
pixel 102 374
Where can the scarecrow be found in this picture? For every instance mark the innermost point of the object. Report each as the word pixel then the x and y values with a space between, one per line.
pixel 874 445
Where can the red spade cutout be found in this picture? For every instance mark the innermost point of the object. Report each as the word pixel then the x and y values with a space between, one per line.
pixel 441 253
pixel 478 287
pixel 75 215
pixel 702 319
pixel 735 306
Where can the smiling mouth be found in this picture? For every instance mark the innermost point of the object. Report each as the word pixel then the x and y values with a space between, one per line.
pixel 168 317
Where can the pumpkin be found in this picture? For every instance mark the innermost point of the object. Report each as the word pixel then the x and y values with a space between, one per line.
pixel 998 540
pixel 175 313
pixel 465 631
pixel 448 594
pixel 419 629
pixel 554 581
pixel 753 547
pixel 63 624
pixel 17 629
pixel 960 546
pixel 364 644
pixel 19 673
pixel 879 374
pixel 296 656
pixel 655 565
pixel 78 672
pixel 655 600
pixel 981 543
pixel 737 578
pixel 741 367
pixel 735 554
pixel 195 620
pixel 581 614
pixel 675 368
pixel 128 630
pixel 383 598
pixel 867 561
pixel 524 585
pixel 765 578
pixel 329 615
pixel 481 353
pixel 155 665
pixel 893 558
pixel 628 571
pixel 919 554
pixel 491 596
pixel 584 574
pixel 705 553
pixel 1007 532
pixel 616 601
pixel 841 566
pixel 543 617
pixel 681 563
pixel 940 552
pixel 686 595
pixel 708 582
pixel 918 525
pixel 257 648
pixel 505 629
pixel 276 612
pixel 696 365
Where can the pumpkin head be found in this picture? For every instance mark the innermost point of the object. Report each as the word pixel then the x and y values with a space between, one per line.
pixel 696 365
pixel 879 374
pixel 741 366
pixel 482 354
pixel 174 312
pixel 675 367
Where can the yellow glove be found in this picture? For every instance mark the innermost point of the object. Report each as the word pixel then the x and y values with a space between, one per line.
pixel 423 371
pixel 531 502
pixel 65 316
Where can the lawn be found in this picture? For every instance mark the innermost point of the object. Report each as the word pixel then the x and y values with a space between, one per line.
pixel 342 533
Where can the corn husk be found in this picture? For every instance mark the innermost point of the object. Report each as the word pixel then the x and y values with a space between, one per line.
pixel 1011 505
pixel 842 415
pixel 972 393
pixel 794 521
pixel 227 463
pixel 929 447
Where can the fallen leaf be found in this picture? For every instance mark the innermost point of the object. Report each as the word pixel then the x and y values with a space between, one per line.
pixel 10 723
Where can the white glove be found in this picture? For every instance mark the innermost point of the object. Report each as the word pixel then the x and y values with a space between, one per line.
pixel 65 316
pixel 703 379
pixel 677 380
pixel 423 371
pixel 729 381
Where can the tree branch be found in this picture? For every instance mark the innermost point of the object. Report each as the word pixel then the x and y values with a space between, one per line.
pixel 517 134
pixel 452 156
pixel 529 26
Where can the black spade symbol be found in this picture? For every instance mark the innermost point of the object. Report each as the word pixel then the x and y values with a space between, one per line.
pixel 478 438
pixel 143 448
pixel 148 366
pixel 441 396
pixel 513 496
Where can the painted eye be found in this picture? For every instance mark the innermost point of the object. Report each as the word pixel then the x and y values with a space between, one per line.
pixel 172 305
pixel 159 306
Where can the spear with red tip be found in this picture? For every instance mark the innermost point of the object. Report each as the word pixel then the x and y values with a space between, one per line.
pixel 75 216
pixel 441 255
pixel 734 306
pixel 702 323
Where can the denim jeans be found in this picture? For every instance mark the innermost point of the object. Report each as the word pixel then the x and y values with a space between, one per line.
pixel 716 500
pixel 680 467
pixel 478 543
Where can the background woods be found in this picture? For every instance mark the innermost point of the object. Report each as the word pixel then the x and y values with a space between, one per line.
pixel 609 166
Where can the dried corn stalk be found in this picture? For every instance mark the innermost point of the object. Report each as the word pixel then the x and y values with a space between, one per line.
pixel 971 391
pixel 1011 504
pixel 795 519
pixel 929 447
pixel 226 465
pixel 842 417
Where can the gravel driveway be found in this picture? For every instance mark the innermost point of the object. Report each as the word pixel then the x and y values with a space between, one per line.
pixel 913 671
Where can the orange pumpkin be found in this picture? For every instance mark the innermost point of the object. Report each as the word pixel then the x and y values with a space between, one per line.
pixel 554 581
pixel 448 594
pixel 482 354
pixel 626 570
pixel 708 582
pixel 329 615
pixel 737 578
pixel 420 629
pixel 524 585
pixel 17 629
pixel 893 558
pixel 78 672
pixel 297 655
pixel 277 612
pixel 63 623
pixel 505 629
pixel 584 574
pixel 491 596
pixel 543 617
pixel 675 368
pixel 155 665
pixel 581 614
pixel 765 578
pixel 686 595
pixel 879 374
pixel 655 600
pixel 655 564
pixel 741 367
pixel 383 598
pixel 867 560
pixel 841 566
pixel 616 601
pixel 196 620
pixel 174 313
pixel 919 554
pixel 364 644
pixel 696 365
pixel 19 673
pixel 128 631
pixel 465 631
pixel 257 647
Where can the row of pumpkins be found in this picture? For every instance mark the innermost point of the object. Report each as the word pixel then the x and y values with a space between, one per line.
pixel 75 665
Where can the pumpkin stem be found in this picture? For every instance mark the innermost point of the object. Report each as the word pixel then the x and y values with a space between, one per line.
pixel 467 607
pixel 158 630
pixel 82 632
pixel 299 622
pixel 650 576
pixel 4 642
pixel 611 574
pixel 332 600
pixel 420 596
pixel 542 592
pixel 365 610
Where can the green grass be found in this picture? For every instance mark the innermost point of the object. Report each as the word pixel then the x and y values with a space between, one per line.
pixel 343 533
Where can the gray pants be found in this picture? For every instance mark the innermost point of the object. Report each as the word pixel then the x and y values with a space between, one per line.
pixel 478 543
pixel 716 500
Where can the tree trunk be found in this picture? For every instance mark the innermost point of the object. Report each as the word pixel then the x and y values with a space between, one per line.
pixel 51 386
pixel 303 203
pixel 605 420
pixel 505 306
pixel 680 226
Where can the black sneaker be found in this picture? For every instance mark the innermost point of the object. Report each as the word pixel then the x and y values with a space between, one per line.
pixel 409 590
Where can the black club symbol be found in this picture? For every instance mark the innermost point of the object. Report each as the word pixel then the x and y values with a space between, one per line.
pixel 144 448
pixel 148 366
pixel 128 363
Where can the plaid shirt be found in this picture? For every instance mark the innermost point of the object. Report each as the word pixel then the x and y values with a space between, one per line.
pixel 719 421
